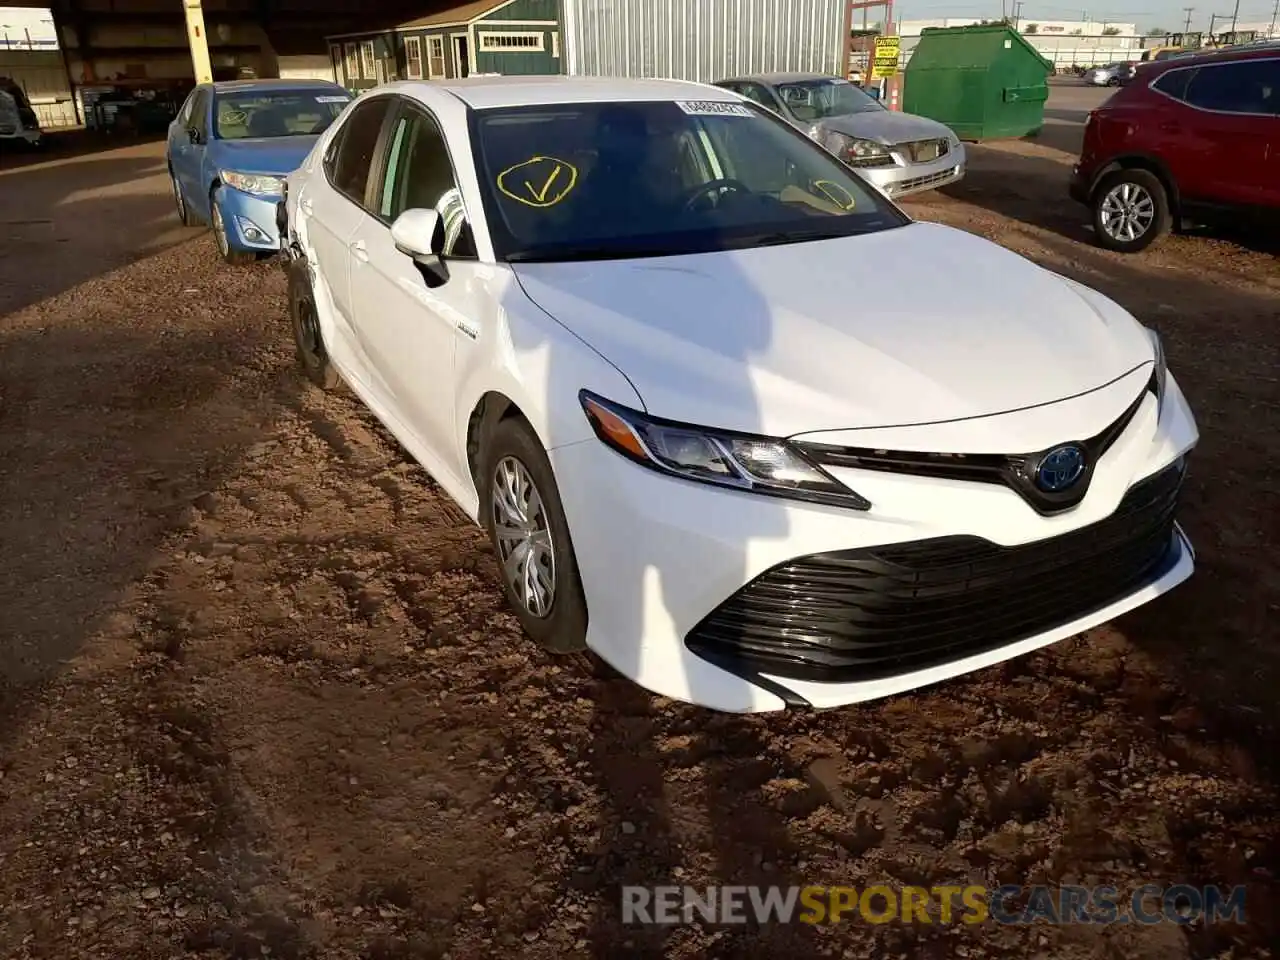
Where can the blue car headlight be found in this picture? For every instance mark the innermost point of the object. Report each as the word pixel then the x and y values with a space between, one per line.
pixel 259 184
pixel 764 465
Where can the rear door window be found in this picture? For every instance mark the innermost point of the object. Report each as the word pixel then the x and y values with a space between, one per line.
pixel 1246 86
pixel 356 148
pixel 1174 83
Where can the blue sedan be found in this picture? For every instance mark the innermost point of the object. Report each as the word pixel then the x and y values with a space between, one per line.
pixel 232 145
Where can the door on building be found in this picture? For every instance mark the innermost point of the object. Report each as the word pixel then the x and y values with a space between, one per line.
pixel 461 56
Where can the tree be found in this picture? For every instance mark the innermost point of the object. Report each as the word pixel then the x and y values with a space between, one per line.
pixel 1077 33
pixel 1032 28
pixel 1111 31
pixel 1157 32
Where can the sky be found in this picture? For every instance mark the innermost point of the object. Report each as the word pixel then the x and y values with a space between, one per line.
pixel 1147 14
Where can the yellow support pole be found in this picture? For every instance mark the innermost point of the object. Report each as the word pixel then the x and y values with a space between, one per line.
pixel 198 40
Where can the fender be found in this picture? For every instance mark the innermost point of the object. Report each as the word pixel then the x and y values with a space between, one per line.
pixel 1143 161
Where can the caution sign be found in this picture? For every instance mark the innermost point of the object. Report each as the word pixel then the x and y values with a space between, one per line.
pixel 884 62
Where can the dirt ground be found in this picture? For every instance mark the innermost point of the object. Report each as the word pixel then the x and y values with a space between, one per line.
pixel 261 696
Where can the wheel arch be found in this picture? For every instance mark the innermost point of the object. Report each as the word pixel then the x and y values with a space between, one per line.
pixel 1142 161
pixel 493 407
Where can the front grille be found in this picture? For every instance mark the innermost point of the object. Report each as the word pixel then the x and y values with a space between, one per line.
pixel 924 151
pixel 871 613
pixel 1015 471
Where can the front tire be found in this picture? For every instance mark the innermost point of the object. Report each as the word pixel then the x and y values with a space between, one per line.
pixel 180 201
pixel 308 342
pixel 1130 210
pixel 228 253
pixel 521 508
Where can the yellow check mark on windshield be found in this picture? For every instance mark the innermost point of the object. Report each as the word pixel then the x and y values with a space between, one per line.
pixel 541 195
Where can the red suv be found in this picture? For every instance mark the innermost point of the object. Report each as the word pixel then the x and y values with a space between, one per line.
pixel 1194 138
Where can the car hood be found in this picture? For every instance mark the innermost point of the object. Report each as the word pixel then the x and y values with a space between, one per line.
pixel 885 126
pixel 273 155
pixel 913 325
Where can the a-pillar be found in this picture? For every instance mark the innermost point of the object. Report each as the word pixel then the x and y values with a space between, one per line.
pixel 198 40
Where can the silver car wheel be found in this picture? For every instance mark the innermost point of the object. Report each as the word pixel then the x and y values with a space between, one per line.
pixel 219 230
pixel 1128 211
pixel 523 532
pixel 179 199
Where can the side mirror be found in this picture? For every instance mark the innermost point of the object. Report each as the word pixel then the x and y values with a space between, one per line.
pixel 872 92
pixel 419 235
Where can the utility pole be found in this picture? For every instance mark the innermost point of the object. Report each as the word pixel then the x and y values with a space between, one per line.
pixel 1275 12
pixel 1186 28
pixel 198 41
pixel 1235 15
pixel 1017 13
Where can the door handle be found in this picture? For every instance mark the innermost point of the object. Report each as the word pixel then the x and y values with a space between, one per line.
pixel 305 206
pixel 359 252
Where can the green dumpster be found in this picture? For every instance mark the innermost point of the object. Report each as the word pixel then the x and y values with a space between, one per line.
pixel 984 82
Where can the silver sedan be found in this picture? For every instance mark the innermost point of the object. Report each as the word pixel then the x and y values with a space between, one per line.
pixel 898 152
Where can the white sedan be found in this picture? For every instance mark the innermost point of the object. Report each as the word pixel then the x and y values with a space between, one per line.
pixel 731 419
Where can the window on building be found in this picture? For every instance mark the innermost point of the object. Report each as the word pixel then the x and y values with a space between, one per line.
pixel 435 57
pixel 413 58
pixel 335 59
pixel 368 62
pixel 352 68
pixel 555 44
pixel 511 42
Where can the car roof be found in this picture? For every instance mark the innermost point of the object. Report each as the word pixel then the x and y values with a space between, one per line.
pixel 1220 56
pixel 772 79
pixel 484 92
pixel 252 86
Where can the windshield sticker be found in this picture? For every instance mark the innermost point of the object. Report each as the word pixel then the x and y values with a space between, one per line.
pixel 328 99
pixel 714 108
pixel 837 194
pixel 539 181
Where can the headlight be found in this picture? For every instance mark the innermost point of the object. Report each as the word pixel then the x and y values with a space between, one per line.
pixel 741 461
pixel 258 183
pixel 1162 368
pixel 860 153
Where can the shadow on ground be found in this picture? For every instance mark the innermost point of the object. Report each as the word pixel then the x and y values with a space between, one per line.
pixel 66 221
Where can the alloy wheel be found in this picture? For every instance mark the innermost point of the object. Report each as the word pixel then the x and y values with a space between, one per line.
pixel 1127 212
pixel 523 532
pixel 179 199
pixel 219 230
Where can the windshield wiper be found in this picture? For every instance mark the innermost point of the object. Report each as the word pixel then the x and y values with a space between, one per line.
pixel 792 236
pixel 569 254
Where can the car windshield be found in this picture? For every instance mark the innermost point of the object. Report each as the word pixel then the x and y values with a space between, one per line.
pixel 280 113
pixel 818 99
pixel 611 180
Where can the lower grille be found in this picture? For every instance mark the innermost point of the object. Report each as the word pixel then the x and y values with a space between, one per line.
pixel 881 611
pixel 918 183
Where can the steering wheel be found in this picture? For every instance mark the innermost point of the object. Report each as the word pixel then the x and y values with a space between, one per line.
pixel 712 186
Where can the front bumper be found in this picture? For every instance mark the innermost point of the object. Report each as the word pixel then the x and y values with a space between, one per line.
pixel 26 134
pixel 250 220
pixel 904 179
pixel 1080 187
pixel 682 579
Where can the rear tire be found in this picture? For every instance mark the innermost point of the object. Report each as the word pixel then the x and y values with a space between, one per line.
pixel 308 342
pixel 511 451
pixel 1130 210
